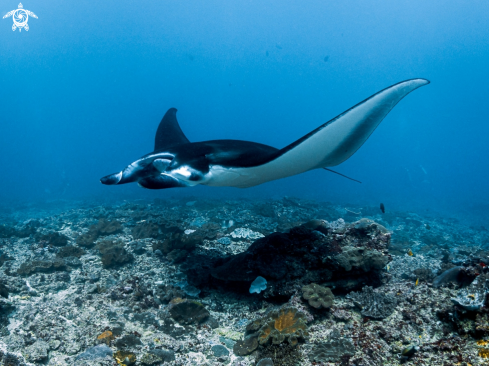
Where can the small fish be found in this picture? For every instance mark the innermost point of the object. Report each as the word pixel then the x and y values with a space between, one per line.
pixel 382 208
pixel 482 264
pixel 326 59
pixel 278 46
pixel 417 282
pixel 410 253
pixel 388 268
pixel 266 53
pixel 428 227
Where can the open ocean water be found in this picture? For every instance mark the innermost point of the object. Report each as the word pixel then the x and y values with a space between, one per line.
pixel 242 251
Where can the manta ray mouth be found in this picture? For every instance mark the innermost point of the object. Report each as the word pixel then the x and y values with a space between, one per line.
pixel 111 179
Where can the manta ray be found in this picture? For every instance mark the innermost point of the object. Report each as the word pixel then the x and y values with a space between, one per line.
pixel 177 162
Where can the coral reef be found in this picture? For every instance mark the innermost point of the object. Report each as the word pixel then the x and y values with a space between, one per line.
pixel 45 266
pixel 344 260
pixel 376 305
pixel 279 325
pixel 318 296
pixel 334 350
pixel 246 346
pixel 66 305
pixel 55 239
pixel 189 312
pixel 280 354
pixel 101 228
pixel 70 251
pixel 145 230
pixel 180 241
pixel 473 297
pixel 125 358
pixel 113 253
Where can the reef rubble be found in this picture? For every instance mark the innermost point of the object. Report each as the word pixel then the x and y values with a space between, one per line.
pixel 167 282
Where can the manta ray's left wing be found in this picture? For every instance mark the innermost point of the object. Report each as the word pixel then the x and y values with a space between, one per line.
pixel 328 145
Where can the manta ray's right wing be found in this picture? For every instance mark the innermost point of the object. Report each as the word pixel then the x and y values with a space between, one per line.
pixel 330 144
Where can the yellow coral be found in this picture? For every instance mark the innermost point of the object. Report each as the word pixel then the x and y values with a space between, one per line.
pixel 482 342
pixel 287 323
pixel 484 353
pixel 177 300
pixel 106 337
pixel 124 358
pixel 265 333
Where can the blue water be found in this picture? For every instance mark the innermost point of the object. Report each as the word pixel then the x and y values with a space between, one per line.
pixel 82 93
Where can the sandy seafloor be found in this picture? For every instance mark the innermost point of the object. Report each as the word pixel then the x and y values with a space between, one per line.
pixel 163 282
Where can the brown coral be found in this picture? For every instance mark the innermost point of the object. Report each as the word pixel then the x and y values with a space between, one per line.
pixel 287 323
pixel 124 358
pixel 106 337
pixel 318 296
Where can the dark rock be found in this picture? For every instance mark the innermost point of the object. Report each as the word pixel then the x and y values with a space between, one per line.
pixel 70 251
pixel 62 277
pixel 113 253
pixel 177 255
pixel 73 262
pixel 146 318
pixel 332 350
pixel 219 351
pixel 46 266
pixel 96 352
pixel 117 329
pixel 376 305
pixel 4 257
pixel 423 274
pixel 245 347
pixel 179 240
pixel 145 230
pixel 168 327
pixel 102 228
pixel 164 294
pixel 280 354
pixel 37 352
pixel 265 362
pixel 450 275
pixel 163 355
pixel 56 239
pixel 138 247
pixel 3 290
pixel 129 340
pixel 189 312
pixel 344 261
pixel 212 322
pixel 7 231
pixel 87 240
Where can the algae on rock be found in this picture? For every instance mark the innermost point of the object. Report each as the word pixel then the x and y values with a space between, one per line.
pixel 373 304
pixel 318 296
